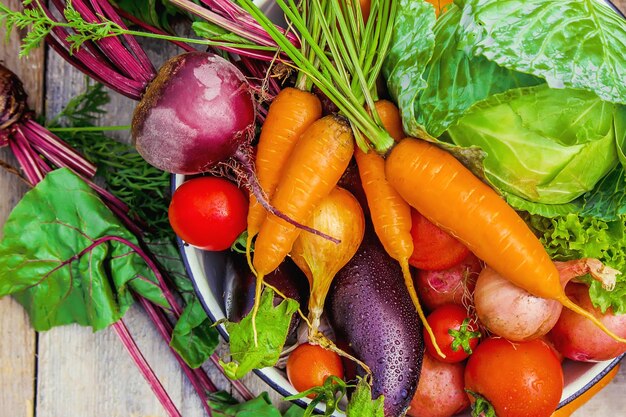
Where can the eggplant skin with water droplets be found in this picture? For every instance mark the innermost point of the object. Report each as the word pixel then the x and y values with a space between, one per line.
pixel 371 311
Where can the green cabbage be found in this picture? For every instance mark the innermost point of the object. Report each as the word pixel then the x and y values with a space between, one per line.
pixel 542 144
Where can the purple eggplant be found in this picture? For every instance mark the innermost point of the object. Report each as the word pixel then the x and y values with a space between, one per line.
pixel 371 311
pixel 240 284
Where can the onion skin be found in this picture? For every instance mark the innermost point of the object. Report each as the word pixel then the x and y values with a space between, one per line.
pixel 510 311
pixel 198 111
pixel 12 98
pixel 513 313
pixel 577 338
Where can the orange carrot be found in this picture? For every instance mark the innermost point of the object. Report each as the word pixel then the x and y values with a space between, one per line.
pixel 449 195
pixel 311 173
pixel 289 115
pixel 390 214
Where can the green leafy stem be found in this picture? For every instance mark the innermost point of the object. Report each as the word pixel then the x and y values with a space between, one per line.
pixel 41 25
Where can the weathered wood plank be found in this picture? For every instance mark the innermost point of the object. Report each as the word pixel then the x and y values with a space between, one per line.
pixel 17 340
pixel 85 374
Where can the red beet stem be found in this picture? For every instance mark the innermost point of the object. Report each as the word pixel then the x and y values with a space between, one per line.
pixel 150 28
pixel 201 385
pixel 145 369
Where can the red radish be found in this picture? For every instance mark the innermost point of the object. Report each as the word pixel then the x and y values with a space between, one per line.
pixel 453 285
pixel 434 248
pixel 517 315
pixel 579 339
pixel 440 390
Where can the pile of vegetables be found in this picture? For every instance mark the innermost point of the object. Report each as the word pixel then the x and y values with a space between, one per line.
pixel 508 186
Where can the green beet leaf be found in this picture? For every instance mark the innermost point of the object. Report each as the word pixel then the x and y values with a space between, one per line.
pixel 544 145
pixel 361 403
pixel 569 43
pixel 57 261
pixel 158 13
pixel 272 324
pixel 224 405
pixel 193 337
pixel 410 50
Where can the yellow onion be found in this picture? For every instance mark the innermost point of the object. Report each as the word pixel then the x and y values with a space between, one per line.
pixel 339 215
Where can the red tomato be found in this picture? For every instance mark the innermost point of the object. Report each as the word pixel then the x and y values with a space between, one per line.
pixel 208 212
pixel 521 379
pixel 434 249
pixel 309 365
pixel 455 332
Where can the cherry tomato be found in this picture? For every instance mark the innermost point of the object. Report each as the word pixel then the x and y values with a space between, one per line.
pixel 455 332
pixel 309 365
pixel 521 379
pixel 433 249
pixel 208 212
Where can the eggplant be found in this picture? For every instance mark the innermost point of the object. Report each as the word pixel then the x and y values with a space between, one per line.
pixel 240 285
pixel 371 311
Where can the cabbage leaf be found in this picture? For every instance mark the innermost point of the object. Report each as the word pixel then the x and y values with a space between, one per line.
pixel 542 144
pixel 456 79
pixel 410 50
pixel 569 43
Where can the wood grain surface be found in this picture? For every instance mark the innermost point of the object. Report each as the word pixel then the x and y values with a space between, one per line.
pixel 72 372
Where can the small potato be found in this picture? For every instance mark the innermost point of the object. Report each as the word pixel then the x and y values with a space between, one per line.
pixel 440 391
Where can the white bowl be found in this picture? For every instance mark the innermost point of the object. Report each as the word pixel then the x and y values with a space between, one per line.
pixel 207 271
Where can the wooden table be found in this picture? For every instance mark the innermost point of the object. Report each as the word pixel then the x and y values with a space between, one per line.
pixel 72 372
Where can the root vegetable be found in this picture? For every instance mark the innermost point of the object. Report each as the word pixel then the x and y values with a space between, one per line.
pixel 453 285
pixel 338 215
pixel 577 338
pixel 513 313
pixel 440 391
pixel 198 111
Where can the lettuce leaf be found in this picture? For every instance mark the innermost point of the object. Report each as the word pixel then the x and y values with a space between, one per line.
pixel 573 237
pixel 569 43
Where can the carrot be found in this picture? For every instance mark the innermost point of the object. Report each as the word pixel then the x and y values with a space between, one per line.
pixel 449 195
pixel 311 173
pixel 290 114
pixel 390 214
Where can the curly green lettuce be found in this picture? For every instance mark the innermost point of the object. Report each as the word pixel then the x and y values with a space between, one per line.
pixel 573 237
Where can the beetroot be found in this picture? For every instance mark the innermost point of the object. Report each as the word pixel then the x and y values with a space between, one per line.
pixel 198 111
pixel 371 311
